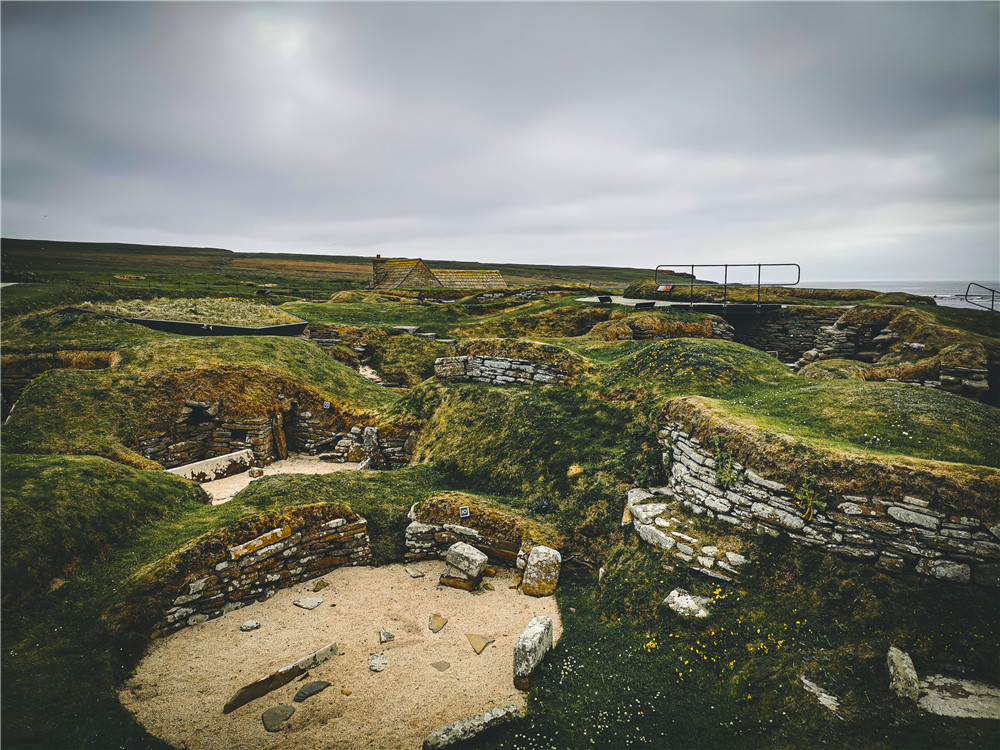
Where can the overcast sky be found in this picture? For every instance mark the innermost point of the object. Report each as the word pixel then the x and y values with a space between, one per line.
pixel 860 140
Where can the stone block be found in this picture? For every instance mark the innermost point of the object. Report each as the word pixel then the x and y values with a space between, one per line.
pixel 467 559
pixel 531 647
pixel 902 675
pixel 541 573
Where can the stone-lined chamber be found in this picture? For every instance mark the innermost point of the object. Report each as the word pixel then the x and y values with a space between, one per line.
pixel 244 563
pixel 913 531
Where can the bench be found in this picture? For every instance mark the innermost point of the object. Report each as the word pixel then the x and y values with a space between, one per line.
pixel 604 300
pixel 645 305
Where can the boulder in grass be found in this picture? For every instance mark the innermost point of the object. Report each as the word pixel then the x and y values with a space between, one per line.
pixel 541 572
pixel 902 675
pixel 686 604
pixel 531 647
pixel 464 567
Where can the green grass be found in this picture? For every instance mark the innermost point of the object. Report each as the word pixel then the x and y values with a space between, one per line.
pixel 630 673
pixel 234 311
pixel 406 360
pixel 104 411
pixel 61 661
pixel 61 511
pixel 430 317
pixel 891 418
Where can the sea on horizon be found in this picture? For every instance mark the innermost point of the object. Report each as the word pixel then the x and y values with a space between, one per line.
pixel 946 293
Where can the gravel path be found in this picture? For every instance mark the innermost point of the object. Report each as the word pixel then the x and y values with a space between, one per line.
pixel 179 688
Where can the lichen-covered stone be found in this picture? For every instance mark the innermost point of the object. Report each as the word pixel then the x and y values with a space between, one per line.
pixel 466 729
pixel 531 647
pixel 541 573
pixel 686 604
pixel 902 675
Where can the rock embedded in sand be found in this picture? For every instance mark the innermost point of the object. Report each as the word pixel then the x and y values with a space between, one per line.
pixel 437 622
pixel 249 625
pixel 377 662
pixel 310 689
pixel 310 602
pixel 320 585
pixel 466 729
pixel 531 647
pixel 384 636
pixel 283 676
pixel 441 666
pixel 479 642
pixel 274 718
pixel 413 573
pixel 464 567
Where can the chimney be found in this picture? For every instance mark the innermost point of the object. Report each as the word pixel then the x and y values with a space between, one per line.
pixel 378 271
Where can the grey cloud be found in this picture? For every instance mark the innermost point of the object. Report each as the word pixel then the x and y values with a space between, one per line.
pixel 604 133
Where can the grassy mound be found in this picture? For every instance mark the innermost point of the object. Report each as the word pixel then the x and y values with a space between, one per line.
pixel 430 317
pixel 833 369
pixel 683 366
pixel 647 289
pixel 60 512
pixel 106 412
pixel 567 319
pixel 533 351
pixel 652 325
pixel 230 311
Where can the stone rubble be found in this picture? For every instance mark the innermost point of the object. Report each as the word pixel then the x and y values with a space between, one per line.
pixel 464 567
pixel 687 605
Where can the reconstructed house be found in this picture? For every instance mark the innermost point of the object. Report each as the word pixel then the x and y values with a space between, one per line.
pixel 412 273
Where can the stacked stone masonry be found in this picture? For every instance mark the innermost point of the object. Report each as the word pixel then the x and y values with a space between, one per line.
pixel 188 441
pixel 790 335
pixel 428 541
pixel 497 370
pixel 905 534
pixel 659 521
pixel 252 571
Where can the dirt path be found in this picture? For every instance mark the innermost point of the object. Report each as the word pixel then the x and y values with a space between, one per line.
pixel 224 490
pixel 181 685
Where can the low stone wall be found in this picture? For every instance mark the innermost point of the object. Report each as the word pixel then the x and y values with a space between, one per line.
pixel 436 524
pixel 223 573
pixel 188 442
pixel 215 468
pixel 902 534
pixel 790 332
pixel 497 371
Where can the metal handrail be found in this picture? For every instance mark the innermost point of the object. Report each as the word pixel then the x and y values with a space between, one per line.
pixel 725 276
pixel 993 296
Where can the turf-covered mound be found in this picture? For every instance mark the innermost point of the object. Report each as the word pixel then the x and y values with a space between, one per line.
pixel 60 512
pixel 565 320
pixel 679 366
pixel 233 311
pixel 648 289
pixel 833 369
pixel 532 351
pixel 656 325
pixel 107 412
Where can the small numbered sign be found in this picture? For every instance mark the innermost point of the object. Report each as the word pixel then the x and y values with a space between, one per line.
pixel 464 512
pixel 326 404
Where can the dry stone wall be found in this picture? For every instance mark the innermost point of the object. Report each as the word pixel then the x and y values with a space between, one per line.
pixel 227 577
pixel 790 333
pixel 497 370
pixel 900 534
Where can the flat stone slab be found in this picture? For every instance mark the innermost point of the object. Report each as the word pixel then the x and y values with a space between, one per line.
pixel 310 602
pixel 951 696
pixel 441 666
pixel 479 642
pixel 377 662
pixel 531 647
pixel 283 676
pixel 466 729
pixel 274 718
pixel 384 636
pixel 687 605
pixel 310 689
pixel 413 573
pixel 437 622
pixel 249 625
pixel 320 584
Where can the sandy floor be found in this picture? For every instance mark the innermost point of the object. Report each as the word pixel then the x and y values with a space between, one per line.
pixel 223 490
pixel 181 685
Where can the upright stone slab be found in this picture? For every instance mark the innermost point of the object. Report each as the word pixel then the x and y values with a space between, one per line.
pixel 902 674
pixel 464 567
pixel 541 573
pixel 531 647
